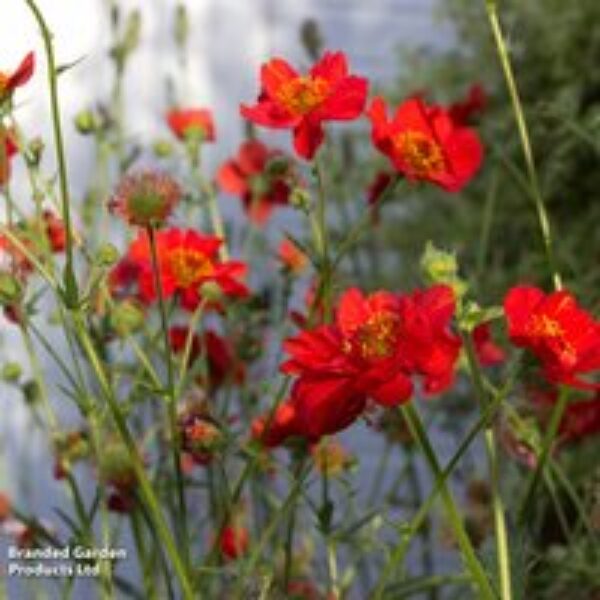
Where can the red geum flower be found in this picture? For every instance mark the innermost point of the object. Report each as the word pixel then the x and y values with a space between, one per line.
pixel 425 144
pixel 488 352
pixel 187 260
pixel 248 175
pixel 463 111
pixel 427 343
pixel 20 76
pixel 292 259
pixel 233 541
pixel 564 337
pixel 290 100
pixel 186 123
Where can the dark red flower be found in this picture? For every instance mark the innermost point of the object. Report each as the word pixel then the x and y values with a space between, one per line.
pixel 222 364
pixel 248 176
pixel 186 261
pixel 290 100
pixel 375 190
pixel 188 123
pixel 274 430
pixel 20 76
pixel 564 337
pixel 463 111
pixel 488 352
pixel 55 231
pixel 425 144
pixel 233 541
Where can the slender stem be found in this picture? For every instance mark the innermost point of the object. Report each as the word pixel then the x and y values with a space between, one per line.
pixel 542 215
pixel 501 537
pixel 181 518
pixel 549 437
pixel 472 562
pixel 59 148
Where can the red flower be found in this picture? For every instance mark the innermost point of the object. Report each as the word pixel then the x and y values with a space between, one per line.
pixel 488 352
pixel 192 123
pixel 564 337
pixel 274 430
pixel 463 111
pixel 370 352
pixel 427 343
pixel 425 144
pixel 8 149
pixel 248 176
pixel 233 541
pixel 20 76
pixel 289 100
pixel 186 260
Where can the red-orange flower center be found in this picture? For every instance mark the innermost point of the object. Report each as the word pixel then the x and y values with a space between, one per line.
pixel 376 338
pixel 421 153
pixel 189 267
pixel 302 94
pixel 4 79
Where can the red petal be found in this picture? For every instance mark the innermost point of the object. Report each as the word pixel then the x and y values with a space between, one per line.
pixel 23 72
pixel 308 136
pixel 347 100
pixel 333 67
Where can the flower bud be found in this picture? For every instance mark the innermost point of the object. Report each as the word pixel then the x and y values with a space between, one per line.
pixel 107 255
pixel 11 290
pixel 162 148
pixel 126 318
pixel 11 372
pixel 86 122
pixel 300 199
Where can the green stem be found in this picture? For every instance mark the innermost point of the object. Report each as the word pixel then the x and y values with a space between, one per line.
pixel 472 562
pixel 501 537
pixel 542 215
pixel 181 518
pixel 549 437
pixel 70 281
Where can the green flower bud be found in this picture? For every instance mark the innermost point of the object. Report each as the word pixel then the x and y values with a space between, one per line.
pixel 107 255
pixel 211 291
pixel 126 318
pixel 86 122
pixel 31 391
pixel 11 372
pixel 11 290
pixel 162 148
pixel 300 199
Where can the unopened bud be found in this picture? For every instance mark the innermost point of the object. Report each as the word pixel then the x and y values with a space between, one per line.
pixel 11 372
pixel 126 318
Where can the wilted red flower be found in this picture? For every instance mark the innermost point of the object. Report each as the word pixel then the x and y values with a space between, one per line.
pixel 233 541
pixel 55 231
pixel 5 507
pixel 375 344
pixel 463 111
pixel 222 364
pixel 248 175
pixel 145 198
pixel 425 144
pixel 186 261
pixel 201 438
pixel 291 257
pixel 195 123
pixel 563 336
pixel 488 352
pixel 8 149
pixel 289 100
pixel 20 76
